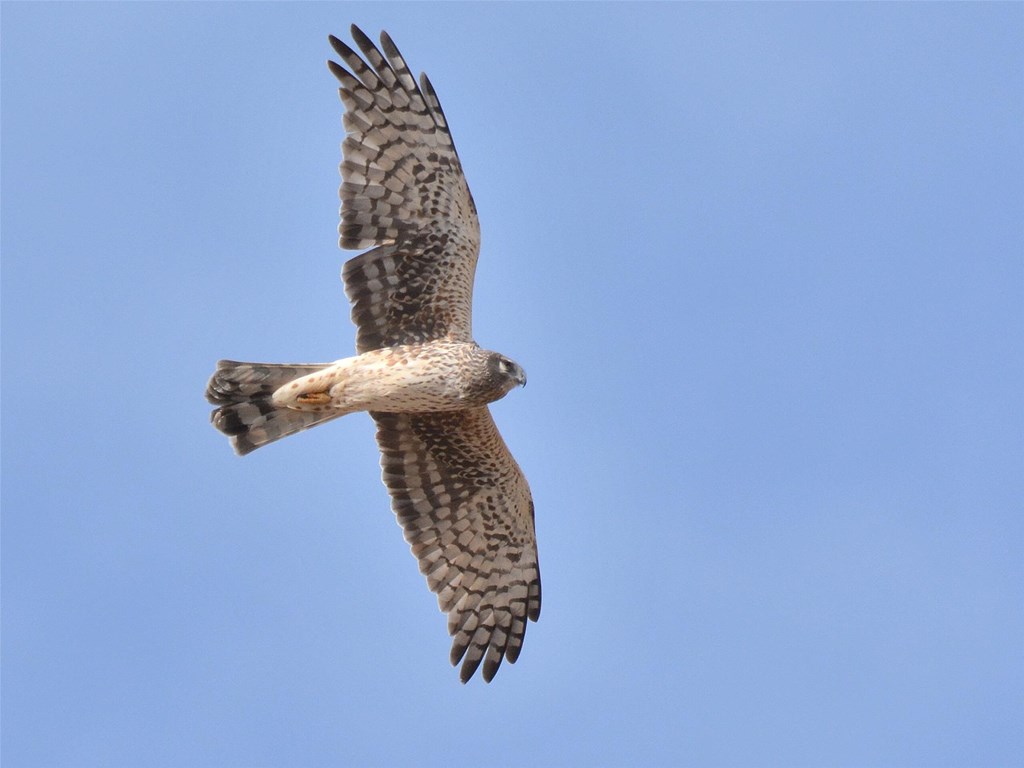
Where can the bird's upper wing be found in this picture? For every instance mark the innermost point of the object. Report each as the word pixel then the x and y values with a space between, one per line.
pixel 467 513
pixel 402 190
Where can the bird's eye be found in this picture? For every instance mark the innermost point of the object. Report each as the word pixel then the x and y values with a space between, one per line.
pixel 504 365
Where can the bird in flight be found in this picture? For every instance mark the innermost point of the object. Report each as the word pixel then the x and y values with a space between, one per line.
pixel 459 495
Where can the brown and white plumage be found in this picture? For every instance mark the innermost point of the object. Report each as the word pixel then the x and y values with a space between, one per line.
pixel 468 515
pixel 403 190
pixel 460 496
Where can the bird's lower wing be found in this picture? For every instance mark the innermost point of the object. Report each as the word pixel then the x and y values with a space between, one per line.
pixel 467 514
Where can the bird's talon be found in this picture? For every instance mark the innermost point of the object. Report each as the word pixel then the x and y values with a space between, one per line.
pixel 314 398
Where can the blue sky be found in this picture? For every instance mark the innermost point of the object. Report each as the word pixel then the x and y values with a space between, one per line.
pixel 764 265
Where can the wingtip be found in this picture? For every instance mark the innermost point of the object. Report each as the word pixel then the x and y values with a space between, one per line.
pixel 340 46
pixel 491 668
pixel 336 69
pixel 388 44
pixel 469 667
pixel 361 38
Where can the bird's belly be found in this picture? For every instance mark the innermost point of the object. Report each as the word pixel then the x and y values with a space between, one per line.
pixel 395 379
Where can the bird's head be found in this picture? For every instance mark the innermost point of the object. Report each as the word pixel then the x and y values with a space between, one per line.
pixel 506 373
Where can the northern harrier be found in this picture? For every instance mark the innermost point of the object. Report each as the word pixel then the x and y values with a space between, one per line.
pixel 460 497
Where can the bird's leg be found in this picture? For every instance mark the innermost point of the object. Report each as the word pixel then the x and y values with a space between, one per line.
pixel 313 398
pixel 311 392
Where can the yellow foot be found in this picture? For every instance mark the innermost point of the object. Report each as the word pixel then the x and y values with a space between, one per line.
pixel 313 398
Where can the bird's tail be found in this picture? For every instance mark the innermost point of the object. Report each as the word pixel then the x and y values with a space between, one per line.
pixel 246 411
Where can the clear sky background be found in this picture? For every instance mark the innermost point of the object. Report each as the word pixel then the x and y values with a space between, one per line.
pixel 764 265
